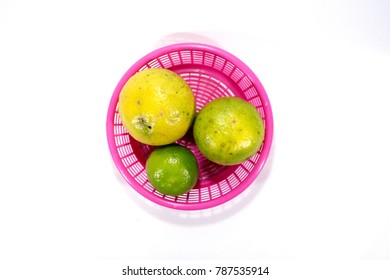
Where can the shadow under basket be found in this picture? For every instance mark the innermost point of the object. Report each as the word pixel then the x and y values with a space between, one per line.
pixel 211 73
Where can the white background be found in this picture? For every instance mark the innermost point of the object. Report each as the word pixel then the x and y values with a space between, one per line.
pixel 323 194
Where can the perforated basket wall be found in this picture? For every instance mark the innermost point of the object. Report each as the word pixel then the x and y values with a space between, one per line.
pixel 211 73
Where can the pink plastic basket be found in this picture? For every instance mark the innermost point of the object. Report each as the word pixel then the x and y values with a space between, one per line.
pixel 210 72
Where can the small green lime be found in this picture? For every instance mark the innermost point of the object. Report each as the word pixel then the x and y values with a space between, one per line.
pixel 172 169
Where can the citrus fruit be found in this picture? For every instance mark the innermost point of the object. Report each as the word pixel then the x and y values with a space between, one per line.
pixel 156 106
pixel 228 130
pixel 172 169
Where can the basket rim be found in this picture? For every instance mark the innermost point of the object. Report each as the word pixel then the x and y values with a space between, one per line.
pixel 269 127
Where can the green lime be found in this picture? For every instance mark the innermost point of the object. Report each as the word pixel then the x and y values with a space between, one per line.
pixel 228 130
pixel 172 169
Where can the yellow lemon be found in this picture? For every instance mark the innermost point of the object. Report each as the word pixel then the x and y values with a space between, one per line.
pixel 156 106
pixel 228 130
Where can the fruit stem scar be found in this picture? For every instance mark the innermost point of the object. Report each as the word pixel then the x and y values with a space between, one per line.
pixel 141 123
